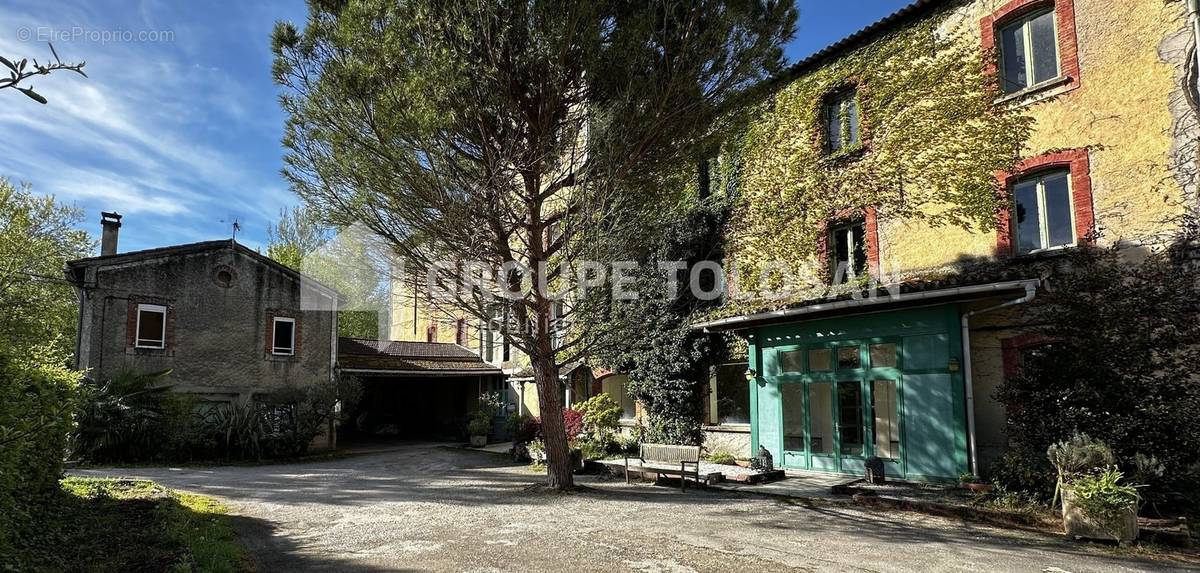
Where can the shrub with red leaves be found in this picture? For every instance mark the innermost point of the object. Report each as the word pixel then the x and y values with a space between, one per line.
pixel 573 422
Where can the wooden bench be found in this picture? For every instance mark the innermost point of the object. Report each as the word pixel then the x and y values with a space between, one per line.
pixel 666 459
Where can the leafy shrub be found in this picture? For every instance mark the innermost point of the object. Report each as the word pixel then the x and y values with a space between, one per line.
pixel 537 451
pixel 480 424
pixel 1020 470
pixel 37 399
pixel 601 415
pixel 573 422
pixel 126 417
pixel 1101 495
pixel 523 428
pixel 723 458
pixel 1121 363
pixel 1079 454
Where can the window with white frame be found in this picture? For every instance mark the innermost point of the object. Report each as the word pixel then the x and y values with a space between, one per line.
pixel 1044 216
pixel 848 251
pixel 1029 50
pixel 283 337
pixel 841 120
pixel 151 326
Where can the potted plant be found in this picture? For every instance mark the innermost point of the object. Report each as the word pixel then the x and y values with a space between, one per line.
pixel 970 481
pixel 479 428
pixel 1098 506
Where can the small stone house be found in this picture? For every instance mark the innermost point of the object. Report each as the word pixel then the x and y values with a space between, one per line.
pixel 228 322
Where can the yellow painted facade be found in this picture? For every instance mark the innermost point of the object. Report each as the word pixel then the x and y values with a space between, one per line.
pixel 1130 58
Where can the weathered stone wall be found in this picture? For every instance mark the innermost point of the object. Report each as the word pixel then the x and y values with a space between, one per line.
pixel 217 336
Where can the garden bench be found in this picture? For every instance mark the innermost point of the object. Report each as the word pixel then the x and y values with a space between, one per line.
pixel 666 459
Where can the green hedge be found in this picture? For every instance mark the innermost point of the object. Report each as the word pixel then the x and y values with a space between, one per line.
pixel 37 399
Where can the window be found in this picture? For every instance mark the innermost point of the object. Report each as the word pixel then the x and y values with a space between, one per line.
pixel 1029 51
pixel 151 326
pixel 791 361
pixel 730 394
pixel 283 337
pixel 841 120
pixel 617 386
pixel 819 360
pixel 849 259
pixel 793 417
pixel 850 422
pixel 848 358
pixel 883 355
pixel 887 419
pixel 1044 215
pixel 820 404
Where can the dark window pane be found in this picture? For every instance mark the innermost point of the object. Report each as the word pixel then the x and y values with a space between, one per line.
pixel 733 395
pixel 848 357
pixel 858 234
pixel 150 327
pixel 850 424
pixel 1028 217
pixel 1012 55
pixel 793 417
pixel 1045 47
pixel 819 360
pixel 820 408
pixel 841 255
pixel 1058 210
pixel 791 361
pixel 852 120
pixel 833 125
pixel 283 335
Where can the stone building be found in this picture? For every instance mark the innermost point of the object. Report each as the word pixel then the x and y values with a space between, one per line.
pixel 228 322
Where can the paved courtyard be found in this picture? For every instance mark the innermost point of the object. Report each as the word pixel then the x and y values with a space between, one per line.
pixel 427 508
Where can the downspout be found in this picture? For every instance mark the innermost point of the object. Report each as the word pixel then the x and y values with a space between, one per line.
pixel 1194 17
pixel 1030 292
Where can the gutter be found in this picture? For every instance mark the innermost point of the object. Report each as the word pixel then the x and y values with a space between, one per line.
pixel 1194 16
pixel 1030 292
pixel 869 302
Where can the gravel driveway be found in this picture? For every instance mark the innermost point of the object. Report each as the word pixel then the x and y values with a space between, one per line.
pixel 427 508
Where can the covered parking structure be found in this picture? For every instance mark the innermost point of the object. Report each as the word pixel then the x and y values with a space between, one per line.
pixel 415 390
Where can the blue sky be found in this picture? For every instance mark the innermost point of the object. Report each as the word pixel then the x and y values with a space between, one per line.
pixel 178 126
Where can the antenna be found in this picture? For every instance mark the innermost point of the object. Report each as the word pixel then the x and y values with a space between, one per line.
pixel 235 224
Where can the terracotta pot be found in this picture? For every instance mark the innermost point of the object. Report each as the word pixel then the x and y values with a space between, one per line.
pixel 1079 524
pixel 478 441
pixel 742 463
pixel 976 486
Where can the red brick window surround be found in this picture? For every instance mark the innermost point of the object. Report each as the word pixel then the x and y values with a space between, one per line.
pixel 1011 350
pixel 1077 164
pixel 870 220
pixel 297 332
pixel 164 331
pixel 1068 43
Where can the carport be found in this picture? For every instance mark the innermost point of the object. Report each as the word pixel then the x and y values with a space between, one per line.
pixel 415 390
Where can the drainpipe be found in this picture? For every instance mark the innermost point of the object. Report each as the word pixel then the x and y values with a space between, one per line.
pixel 1194 17
pixel 1030 292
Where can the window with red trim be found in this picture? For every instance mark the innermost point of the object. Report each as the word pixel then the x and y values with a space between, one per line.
pixel 849 247
pixel 1035 44
pixel 1050 204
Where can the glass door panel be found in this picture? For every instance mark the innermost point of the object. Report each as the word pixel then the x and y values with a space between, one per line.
pixel 793 417
pixel 887 419
pixel 820 407
pixel 850 419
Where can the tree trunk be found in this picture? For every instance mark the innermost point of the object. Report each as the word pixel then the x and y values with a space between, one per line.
pixel 558 456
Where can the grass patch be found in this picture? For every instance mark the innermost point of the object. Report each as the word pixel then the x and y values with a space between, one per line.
pixel 115 525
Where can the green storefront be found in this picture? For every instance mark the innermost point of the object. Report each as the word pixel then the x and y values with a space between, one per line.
pixel 829 393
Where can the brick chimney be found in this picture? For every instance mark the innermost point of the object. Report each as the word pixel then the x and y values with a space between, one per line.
pixel 111 222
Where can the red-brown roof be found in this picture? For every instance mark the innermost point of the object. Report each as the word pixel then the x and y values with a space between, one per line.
pixel 410 357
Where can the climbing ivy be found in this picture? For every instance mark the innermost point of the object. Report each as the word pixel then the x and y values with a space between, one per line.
pixel 932 139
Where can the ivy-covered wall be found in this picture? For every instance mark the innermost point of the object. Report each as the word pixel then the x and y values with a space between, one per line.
pixel 936 132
